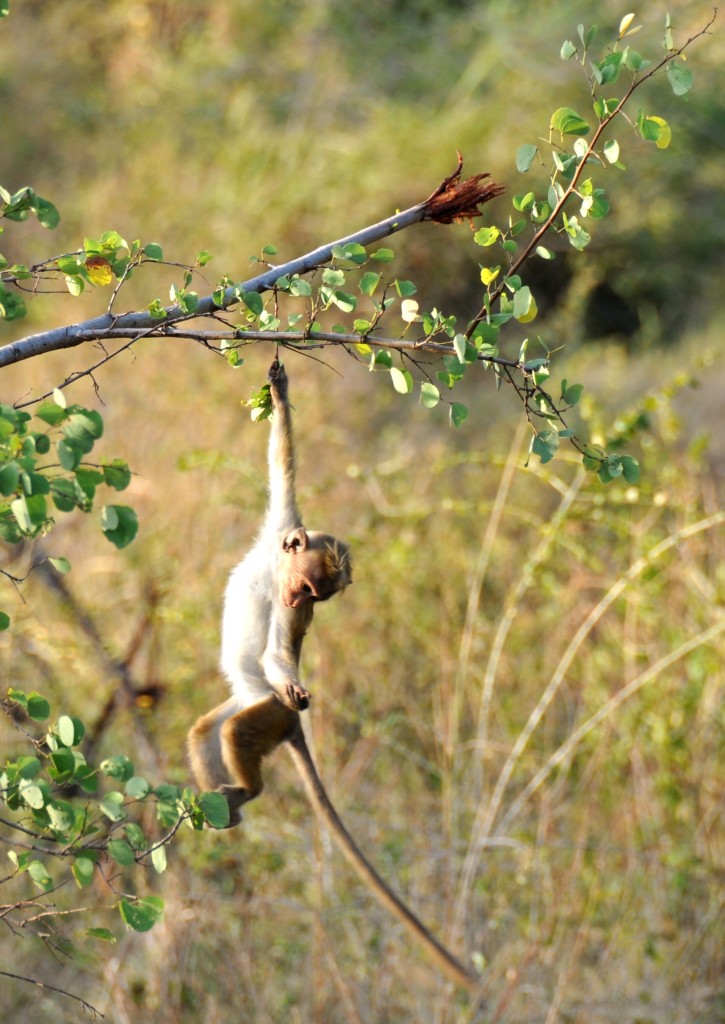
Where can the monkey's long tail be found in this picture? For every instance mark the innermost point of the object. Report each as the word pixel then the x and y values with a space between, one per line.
pixel 322 805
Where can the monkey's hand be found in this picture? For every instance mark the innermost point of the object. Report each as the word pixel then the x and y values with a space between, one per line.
pixel 296 697
pixel 278 383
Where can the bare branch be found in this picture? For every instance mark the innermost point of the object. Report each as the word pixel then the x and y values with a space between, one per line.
pixel 52 988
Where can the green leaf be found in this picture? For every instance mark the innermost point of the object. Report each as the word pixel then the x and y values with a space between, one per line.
pixel 62 765
pixel 9 478
pixel 405 289
pixel 104 934
pixel 51 412
pixel 333 276
pixel 524 306
pixel 158 858
pixel 525 157
pixel 120 524
pixel 346 303
pixel 39 874
pixel 4 622
pixel 141 914
pixel 28 767
pixel 630 469
pixel 33 795
pixel 153 251
pixel 46 213
pixel 369 282
pixel 383 256
pixel 137 788
pixel 402 380
pixel 571 393
pixel 486 236
pixel 118 767
pixel 121 852
pixel 382 358
pixel 112 806
pixel 116 474
pixel 680 78
pixel 568 122
pixel 611 151
pixel 37 707
pixel 430 396
pixel 545 445
pixel 215 809
pixel 458 414
pixel 69 730
pixel 568 50
pixel 655 129
pixel 83 868
pixel 253 301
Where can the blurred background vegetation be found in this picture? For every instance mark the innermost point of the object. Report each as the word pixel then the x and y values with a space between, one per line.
pixel 225 126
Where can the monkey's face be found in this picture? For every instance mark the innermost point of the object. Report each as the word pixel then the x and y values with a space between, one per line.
pixel 313 567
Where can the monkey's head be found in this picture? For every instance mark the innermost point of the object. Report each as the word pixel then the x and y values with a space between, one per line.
pixel 313 566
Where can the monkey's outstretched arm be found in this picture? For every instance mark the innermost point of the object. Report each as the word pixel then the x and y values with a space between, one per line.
pixel 324 809
pixel 281 658
pixel 282 513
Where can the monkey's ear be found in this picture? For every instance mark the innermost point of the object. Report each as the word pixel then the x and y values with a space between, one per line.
pixel 296 540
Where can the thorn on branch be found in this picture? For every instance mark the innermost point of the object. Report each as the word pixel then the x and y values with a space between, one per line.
pixel 455 200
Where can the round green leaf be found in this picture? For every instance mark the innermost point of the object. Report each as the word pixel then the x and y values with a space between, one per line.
pixel 215 809
pixel 39 874
pixel 121 852
pixel 568 122
pixel 430 396
pixel 142 914
pixel 120 524
pixel 680 78
pixel 458 414
pixel 525 157
pixel 83 868
pixel 112 806
pixel 402 380
pixel 117 767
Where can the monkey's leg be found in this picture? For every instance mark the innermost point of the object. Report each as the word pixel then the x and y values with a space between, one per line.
pixel 247 738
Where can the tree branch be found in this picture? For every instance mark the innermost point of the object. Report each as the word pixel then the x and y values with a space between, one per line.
pixel 453 200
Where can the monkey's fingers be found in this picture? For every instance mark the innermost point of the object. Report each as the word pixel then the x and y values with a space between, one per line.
pixel 299 699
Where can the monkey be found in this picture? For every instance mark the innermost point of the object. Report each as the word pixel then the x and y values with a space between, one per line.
pixel 268 608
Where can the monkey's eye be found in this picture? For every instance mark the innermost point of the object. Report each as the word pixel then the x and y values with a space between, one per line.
pixel 306 588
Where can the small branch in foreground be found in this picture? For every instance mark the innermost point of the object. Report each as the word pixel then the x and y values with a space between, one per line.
pixel 52 988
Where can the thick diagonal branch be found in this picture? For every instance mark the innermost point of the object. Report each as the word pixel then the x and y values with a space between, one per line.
pixel 453 200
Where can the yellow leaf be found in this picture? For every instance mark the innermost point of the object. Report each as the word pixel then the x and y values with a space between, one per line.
pixel 665 137
pixel 489 274
pixel 624 24
pixel 99 270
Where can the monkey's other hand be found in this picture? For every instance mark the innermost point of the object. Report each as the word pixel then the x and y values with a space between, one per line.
pixel 297 698
pixel 278 382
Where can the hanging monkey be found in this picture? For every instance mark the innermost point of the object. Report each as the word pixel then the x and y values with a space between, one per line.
pixel 268 607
